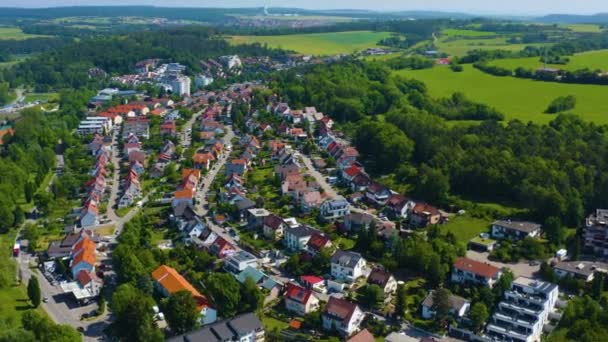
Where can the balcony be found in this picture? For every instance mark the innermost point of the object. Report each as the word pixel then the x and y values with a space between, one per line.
pixel 507 331
pixel 516 320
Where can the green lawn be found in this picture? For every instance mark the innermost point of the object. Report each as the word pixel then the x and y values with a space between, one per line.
pixel 30 97
pixel 521 99
pixel 466 227
pixel 271 323
pixel 318 43
pixel 16 34
pixel 591 59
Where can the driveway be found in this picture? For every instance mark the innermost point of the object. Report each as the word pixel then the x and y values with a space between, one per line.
pixel 520 269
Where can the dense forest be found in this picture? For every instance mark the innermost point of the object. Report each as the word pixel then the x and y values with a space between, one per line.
pixel 557 170
pixel 67 67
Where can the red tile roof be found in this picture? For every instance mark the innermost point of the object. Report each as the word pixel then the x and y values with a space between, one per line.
pixel 298 294
pixel 363 336
pixel 340 308
pixel 317 241
pixel 476 267
pixel 173 282
pixel 311 279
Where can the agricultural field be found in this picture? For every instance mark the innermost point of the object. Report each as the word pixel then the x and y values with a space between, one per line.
pixel 591 59
pixel 460 47
pixel 318 43
pixel 585 28
pixel 467 33
pixel 15 33
pixel 521 99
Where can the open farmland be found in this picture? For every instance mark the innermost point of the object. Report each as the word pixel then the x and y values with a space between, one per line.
pixel 521 99
pixel 318 43
pixel 15 33
pixel 591 59
pixel 460 47
pixel 593 28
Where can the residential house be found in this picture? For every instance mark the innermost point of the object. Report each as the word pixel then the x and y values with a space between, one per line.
pixel 296 239
pixel 168 281
pixel 384 279
pixel 334 208
pixel 316 243
pixel 89 214
pixel 360 182
pixel 138 126
pixel 343 316
pixel 185 196
pixel 399 206
pixel 363 336
pixel 458 306
pixel 262 280
pixel 273 227
pixel 357 221
pixel 310 200
pixel 467 270
pixel 83 256
pixel 244 328
pixel 423 214
pixel 236 166
pixel 239 261
pixel 377 193
pixel 221 248
pixel 595 232
pixel 203 160
pixel 314 283
pixel 168 128
pixel 516 230
pixel 584 270
pixel 524 311
pixel 256 216
pixel 347 266
pixel 300 300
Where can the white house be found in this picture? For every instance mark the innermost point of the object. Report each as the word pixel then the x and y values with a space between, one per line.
pixel 458 306
pixel 300 300
pixel 343 316
pixel 296 239
pixel 347 266
pixel 584 270
pixel 467 270
pixel 239 261
pixel 384 279
pixel 334 208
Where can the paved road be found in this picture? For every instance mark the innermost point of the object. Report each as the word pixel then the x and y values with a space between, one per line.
pixel 201 194
pixel 115 159
pixel 60 307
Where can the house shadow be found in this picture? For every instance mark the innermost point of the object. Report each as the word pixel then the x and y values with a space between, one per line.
pixel 23 307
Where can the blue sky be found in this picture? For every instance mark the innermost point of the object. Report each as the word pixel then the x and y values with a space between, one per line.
pixel 510 7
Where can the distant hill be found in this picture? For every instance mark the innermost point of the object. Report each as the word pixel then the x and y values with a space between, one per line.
pixel 599 18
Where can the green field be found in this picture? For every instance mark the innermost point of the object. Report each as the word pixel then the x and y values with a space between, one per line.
pixel 16 34
pixel 318 43
pixel 591 59
pixel 584 27
pixel 466 33
pixel 521 99
pixel 30 97
pixel 460 47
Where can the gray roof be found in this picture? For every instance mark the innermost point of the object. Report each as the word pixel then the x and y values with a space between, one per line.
pixel 583 268
pixel 456 302
pixel 346 258
pixel 522 226
pixel 302 231
pixel 245 204
pixel 225 330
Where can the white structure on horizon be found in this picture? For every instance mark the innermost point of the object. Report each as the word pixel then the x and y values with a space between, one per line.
pixel 180 85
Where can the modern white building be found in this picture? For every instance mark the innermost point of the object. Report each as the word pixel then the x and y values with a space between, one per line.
pixel 180 85
pixel 94 125
pixel 239 261
pixel 347 266
pixel 296 239
pixel 334 208
pixel 525 309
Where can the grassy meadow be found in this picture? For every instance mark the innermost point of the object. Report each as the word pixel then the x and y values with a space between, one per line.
pixel 318 43
pixel 592 59
pixel 15 33
pixel 460 47
pixel 521 99
pixel 593 28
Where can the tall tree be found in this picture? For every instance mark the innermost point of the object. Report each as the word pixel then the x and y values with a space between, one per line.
pixel 33 291
pixel 29 190
pixel 554 229
pixel 225 292
pixel 372 296
pixel 134 315
pixel 441 305
pixel 478 315
pixel 181 312
pixel 400 301
pixel 251 296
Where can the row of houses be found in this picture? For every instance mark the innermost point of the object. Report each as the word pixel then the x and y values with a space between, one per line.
pixel 95 187
pixel 132 187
